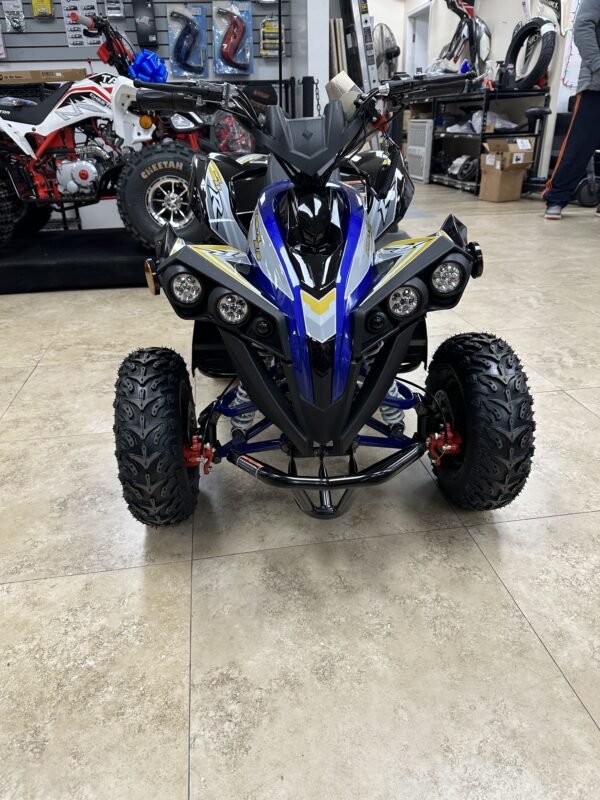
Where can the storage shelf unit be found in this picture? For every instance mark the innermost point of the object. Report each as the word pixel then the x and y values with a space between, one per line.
pixel 513 103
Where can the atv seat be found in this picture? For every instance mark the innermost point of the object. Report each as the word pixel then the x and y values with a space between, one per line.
pixel 35 114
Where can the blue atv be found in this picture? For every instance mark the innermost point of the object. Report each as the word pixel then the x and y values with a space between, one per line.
pixel 316 320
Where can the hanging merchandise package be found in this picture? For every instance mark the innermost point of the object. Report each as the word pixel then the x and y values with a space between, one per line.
pixel 187 40
pixel 232 38
pixel 270 37
pixel 75 30
pixel 42 9
pixel 14 15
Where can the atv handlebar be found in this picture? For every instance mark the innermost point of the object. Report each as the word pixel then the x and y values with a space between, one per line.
pixel 409 86
pixel 179 96
pixel 151 100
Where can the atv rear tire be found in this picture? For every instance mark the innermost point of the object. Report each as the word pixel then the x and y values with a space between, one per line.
pixel 31 220
pixel 478 381
pixel 9 211
pixel 153 179
pixel 154 419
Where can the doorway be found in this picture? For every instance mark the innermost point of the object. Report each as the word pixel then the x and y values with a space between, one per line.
pixel 417 40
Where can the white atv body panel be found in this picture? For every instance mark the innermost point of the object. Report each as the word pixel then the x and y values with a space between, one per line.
pixel 102 96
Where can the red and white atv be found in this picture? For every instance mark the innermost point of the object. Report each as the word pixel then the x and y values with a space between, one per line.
pixel 69 150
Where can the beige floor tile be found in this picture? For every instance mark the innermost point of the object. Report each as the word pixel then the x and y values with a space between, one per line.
pixel 237 513
pixel 63 513
pixel 567 355
pixel 590 398
pixel 552 569
pixel 11 382
pixel 61 400
pixel 565 478
pixel 113 342
pixel 22 344
pixel 396 667
pixel 494 309
pixel 94 686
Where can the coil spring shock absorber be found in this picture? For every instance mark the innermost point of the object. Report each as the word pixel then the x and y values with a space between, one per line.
pixel 394 417
pixel 242 422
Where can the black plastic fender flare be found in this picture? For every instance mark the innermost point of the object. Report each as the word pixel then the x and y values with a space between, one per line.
pixel 546 30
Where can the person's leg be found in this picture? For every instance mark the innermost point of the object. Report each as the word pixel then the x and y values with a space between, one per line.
pixel 580 143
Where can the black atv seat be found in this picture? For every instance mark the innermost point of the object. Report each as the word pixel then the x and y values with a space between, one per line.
pixel 34 115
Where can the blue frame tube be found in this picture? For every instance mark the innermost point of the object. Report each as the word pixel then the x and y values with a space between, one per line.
pixel 408 400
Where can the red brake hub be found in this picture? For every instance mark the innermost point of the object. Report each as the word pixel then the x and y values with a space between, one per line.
pixel 198 455
pixel 447 443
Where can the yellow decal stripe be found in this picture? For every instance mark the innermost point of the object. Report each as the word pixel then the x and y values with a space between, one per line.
pixel 224 266
pixel 319 306
pixel 420 246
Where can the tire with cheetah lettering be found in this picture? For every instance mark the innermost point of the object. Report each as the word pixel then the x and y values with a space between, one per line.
pixel 153 191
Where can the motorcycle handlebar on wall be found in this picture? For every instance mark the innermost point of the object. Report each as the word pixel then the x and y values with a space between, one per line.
pixel 81 19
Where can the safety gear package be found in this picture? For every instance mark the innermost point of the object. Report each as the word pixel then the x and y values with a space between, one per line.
pixel 232 38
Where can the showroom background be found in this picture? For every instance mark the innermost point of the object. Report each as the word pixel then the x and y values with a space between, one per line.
pixel 307 42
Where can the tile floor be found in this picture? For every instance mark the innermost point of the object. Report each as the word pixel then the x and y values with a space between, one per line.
pixel 407 651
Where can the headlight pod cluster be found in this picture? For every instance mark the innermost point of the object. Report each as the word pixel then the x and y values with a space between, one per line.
pixel 447 278
pixel 231 308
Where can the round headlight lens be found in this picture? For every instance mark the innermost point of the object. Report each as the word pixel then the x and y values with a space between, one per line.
pixel 447 278
pixel 186 288
pixel 233 309
pixel 404 302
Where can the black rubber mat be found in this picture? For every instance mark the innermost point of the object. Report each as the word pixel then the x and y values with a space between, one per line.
pixel 51 260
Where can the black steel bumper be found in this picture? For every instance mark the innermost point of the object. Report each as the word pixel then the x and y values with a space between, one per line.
pixel 377 473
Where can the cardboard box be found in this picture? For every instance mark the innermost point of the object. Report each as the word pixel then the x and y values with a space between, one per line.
pixel 42 75
pixel 503 168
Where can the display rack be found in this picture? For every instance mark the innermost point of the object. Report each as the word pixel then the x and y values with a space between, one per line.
pixel 485 101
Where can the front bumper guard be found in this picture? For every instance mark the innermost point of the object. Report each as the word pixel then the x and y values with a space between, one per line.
pixel 380 472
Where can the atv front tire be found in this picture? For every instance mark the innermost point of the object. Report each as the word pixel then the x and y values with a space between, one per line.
pixel 479 384
pixel 153 191
pixel 154 419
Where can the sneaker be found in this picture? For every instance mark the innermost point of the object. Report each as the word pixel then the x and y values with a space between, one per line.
pixel 598 211
pixel 553 212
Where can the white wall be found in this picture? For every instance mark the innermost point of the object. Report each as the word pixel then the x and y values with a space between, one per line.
pixel 392 12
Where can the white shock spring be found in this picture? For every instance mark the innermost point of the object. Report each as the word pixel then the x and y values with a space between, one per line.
pixel 390 415
pixel 242 422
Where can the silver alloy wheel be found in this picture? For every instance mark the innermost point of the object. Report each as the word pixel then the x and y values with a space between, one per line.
pixel 167 202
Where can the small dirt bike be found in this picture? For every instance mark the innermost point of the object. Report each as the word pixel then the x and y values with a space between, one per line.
pixel 318 326
pixel 70 149
pixel 472 40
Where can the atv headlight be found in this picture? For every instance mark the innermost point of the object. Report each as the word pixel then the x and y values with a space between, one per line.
pixel 233 309
pixel 404 302
pixel 186 288
pixel 447 278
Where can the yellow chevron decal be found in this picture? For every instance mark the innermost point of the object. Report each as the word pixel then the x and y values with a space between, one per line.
pixel 319 306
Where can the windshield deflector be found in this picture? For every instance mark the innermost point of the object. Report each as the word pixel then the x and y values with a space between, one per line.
pixel 309 145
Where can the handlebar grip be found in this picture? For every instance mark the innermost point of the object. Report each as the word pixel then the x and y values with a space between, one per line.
pixel 149 100
pixel 81 19
pixel 211 92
